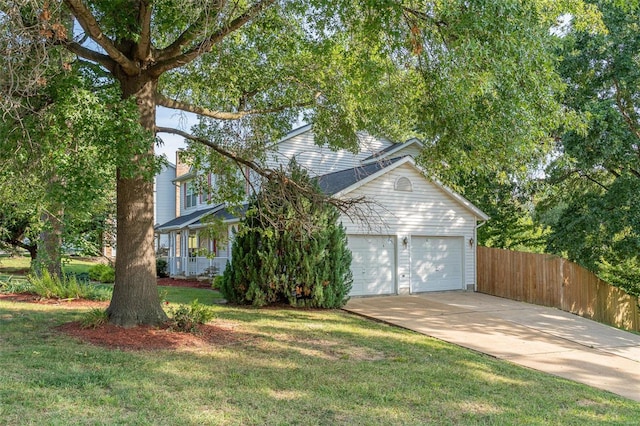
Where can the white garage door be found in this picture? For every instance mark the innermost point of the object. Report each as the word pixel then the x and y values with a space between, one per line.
pixel 373 264
pixel 436 264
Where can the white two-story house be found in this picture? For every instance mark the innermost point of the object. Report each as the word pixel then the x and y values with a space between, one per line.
pixel 420 235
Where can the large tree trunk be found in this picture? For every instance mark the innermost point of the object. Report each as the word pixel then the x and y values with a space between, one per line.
pixel 49 253
pixel 135 299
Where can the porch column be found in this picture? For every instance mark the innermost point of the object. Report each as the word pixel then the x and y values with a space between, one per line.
pixel 172 253
pixel 184 251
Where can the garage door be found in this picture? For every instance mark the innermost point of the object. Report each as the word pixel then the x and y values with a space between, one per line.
pixel 373 264
pixel 436 264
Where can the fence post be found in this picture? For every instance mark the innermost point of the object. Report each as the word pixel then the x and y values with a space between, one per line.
pixel 562 283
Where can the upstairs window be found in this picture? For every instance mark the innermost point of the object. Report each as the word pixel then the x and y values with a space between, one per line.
pixel 403 184
pixel 190 195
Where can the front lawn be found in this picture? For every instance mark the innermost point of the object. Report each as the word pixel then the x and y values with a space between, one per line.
pixel 21 264
pixel 281 367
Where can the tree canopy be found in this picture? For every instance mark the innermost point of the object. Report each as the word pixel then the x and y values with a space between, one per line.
pixel 592 205
pixel 58 165
pixel 473 78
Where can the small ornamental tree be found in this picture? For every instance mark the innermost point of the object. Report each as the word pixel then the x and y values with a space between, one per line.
pixel 278 257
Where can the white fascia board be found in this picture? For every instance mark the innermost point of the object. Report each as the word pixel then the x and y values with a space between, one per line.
pixel 189 175
pixel 397 147
pixel 187 224
pixel 202 225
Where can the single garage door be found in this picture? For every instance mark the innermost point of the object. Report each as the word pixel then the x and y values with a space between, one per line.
pixel 373 264
pixel 436 263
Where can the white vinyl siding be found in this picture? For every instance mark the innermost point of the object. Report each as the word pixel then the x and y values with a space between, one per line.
pixel 425 211
pixel 321 160
pixel 165 197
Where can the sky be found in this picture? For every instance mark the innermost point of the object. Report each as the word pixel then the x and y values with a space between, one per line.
pixel 171 118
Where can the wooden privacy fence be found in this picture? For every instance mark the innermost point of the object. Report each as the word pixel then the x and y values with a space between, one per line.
pixel 552 281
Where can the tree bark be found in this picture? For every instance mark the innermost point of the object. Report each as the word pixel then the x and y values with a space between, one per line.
pixel 135 299
pixel 48 255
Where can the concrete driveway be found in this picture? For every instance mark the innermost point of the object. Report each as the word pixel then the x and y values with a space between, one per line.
pixel 541 338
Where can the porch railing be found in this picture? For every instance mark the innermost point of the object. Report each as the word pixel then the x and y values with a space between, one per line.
pixel 197 266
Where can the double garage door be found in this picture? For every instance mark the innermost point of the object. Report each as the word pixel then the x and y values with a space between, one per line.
pixel 435 263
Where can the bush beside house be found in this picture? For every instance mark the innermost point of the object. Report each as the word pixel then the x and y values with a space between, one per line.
pixel 278 256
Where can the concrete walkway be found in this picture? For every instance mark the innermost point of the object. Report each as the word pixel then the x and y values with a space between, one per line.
pixel 541 338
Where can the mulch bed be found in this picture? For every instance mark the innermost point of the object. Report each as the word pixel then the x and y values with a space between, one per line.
pixel 184 283
pixel 145 338
pixel 142 337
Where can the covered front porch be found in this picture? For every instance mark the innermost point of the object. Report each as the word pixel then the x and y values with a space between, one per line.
pixel 194 254
pixel 194 250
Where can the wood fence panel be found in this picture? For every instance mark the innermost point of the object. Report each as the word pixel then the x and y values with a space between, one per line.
pixel 552 281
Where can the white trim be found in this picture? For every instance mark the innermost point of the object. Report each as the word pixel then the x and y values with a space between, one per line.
pixel 189 175
pixel 398 147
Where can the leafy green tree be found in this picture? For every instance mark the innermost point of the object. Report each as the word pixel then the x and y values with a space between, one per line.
pixel 18 227
pixel 252 68
pixel 510 203
pixel 279 258
pixel 58 168
pixel 592 206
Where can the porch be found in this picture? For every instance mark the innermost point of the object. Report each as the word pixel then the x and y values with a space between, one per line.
pixel 196 266
pixel 195 253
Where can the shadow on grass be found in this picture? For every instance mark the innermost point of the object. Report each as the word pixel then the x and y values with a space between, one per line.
pixel 306 368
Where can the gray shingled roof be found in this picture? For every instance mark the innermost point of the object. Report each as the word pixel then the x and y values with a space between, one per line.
pixel 196 217
pixel 390 148
pixel 187 219
pixel 333 183
pixel 225 214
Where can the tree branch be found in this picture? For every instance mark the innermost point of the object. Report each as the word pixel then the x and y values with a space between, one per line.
pixel 89 24
pixel 343 205
pixel 268 174
pixel 190 34
pixel 89 54
pixel 584 175
pixel 144 21
pixel 629 114
pixel 222 115
pixel 207 44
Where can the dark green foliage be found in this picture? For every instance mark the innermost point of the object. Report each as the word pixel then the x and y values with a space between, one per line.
pixel 102 273
pixel 186 318
pixel 592 206
pixel 162 268
pixel 289 249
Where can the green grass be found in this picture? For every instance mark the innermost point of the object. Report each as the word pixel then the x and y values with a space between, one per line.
pixel 21 265
pixel 285 367
pixel 186 295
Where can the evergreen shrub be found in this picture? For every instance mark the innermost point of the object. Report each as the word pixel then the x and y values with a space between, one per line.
pixel 289 249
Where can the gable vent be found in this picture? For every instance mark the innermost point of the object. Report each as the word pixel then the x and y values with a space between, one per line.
pixel 404 184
